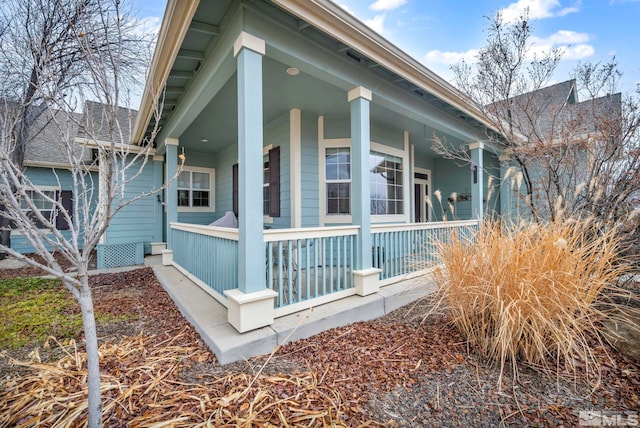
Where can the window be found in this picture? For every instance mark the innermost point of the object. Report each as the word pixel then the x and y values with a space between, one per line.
pixel 44 203
pixel 195 189
pixel 266 180
pixel 338 180
pixel 385 176
pixel 385 172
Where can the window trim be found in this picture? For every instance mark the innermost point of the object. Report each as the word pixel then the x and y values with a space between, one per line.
pixel 56 189
pixel 212 190
pixel 325 218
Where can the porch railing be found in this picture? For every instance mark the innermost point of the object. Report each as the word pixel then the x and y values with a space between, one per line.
pixel 309 266
pixel 208 254
pixel 402 249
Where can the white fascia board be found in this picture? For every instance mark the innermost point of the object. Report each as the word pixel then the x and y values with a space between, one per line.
pixel 175 24
pixel 129 148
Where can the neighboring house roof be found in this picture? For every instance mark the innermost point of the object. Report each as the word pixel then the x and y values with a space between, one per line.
pixel 48 139
pixel 554 113
pixel 98 123
pixel 328 18
pixel 48 145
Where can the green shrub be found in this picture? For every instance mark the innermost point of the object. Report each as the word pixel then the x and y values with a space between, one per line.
pixel 530 292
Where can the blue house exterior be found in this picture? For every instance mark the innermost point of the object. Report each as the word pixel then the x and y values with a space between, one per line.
pixel 315 132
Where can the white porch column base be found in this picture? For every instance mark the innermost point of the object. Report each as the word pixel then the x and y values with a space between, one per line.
pixel 246 312
pixel 167 257
pixel 158 247
pixel 367 281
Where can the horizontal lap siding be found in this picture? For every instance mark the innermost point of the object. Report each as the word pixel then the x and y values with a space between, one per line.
pixel 310 190
pixel 63 179
pixel 448 178
pixel 136 222
pixel 225 160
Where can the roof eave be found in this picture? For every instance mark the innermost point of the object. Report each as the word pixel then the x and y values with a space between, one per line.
pixel 347 29
pixel 175 23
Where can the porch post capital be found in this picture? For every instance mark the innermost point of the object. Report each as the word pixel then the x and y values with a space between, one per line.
pixel 359 92
pixel 249 41
pixel 171 141
pixel 476 145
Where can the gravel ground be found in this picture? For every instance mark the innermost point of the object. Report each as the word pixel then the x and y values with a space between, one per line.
pixel 399 370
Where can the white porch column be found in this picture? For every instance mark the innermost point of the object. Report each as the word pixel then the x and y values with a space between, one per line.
pixel 505 188
pixel 171 193
pixel 158 243
pixel 251 305
pixel 366 278
pixel 477 180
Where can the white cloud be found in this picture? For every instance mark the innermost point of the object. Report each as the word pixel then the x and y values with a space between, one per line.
pixel 345 7
pixel 573 44
pixel 538 9
pixel 387 4
pixel 148 25
pixel 448 58
pixel 561 37
pixel 577 52
pixel 376 23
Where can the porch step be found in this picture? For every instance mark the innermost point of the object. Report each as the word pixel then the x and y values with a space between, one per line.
pixel 210 317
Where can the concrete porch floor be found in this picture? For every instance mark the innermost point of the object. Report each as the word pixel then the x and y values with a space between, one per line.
pixel 209 317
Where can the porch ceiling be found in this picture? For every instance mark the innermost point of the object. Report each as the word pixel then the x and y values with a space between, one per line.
pixel 216 121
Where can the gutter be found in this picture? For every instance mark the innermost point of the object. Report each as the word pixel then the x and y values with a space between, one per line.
pixel 341 25
pixel 175 24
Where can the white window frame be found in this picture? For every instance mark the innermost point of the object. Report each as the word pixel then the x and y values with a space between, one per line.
pixel 324 217
pixel 212 190
pixel 404 155
pixel 376 147
pixel 42 189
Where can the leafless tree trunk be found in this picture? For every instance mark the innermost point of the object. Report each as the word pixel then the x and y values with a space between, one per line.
pixel 42 45
pixel 55 55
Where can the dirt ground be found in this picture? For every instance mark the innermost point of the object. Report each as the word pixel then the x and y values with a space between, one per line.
pixel 398 370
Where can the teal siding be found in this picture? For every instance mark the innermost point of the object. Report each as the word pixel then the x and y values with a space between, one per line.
pixel 225 160
pixel 337 127
pixel 310 163
pixel 198 218
pixel 61 178
pixel 203 160
pixel 388 136
pixel 136 222
pixel 491 177
pixel 448 177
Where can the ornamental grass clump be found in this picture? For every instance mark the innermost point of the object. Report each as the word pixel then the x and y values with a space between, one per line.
pixel 531 293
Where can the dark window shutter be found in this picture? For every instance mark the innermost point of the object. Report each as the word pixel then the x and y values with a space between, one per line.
pixel 235 189
pixel 66 199
pixel 274 182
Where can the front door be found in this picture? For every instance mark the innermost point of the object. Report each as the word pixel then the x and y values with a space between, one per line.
pixel 422 192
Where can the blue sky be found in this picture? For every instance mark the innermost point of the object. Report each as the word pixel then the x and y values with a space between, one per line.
pixel 441 32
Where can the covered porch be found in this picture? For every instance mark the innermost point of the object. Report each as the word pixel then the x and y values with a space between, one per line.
pixel 323 153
